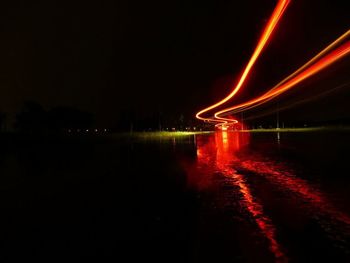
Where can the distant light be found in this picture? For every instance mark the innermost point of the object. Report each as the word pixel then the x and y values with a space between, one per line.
pixel 105 130
pixel 87 130
pixel 96 130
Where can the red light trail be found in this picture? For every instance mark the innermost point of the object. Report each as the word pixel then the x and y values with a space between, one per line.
pixel 301 74
pixel 313 66
pixel 271 25
pixel 319 55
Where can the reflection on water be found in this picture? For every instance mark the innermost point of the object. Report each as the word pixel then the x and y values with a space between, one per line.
pixel 310 195
pixel 219 152
pixel 222 197
pixel 223 159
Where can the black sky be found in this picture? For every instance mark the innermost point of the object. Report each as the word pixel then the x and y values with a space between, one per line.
pixel 149 56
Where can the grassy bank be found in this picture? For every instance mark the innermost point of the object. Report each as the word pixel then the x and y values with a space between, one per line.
pixel 179 134
pixel 165 134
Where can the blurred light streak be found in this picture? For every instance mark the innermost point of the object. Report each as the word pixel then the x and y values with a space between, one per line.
pixel 319 55
pixel 271 25
pixel 299 102
pixel 290 82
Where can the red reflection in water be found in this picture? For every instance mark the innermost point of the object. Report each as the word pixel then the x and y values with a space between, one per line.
pixel 278 174
pixel 218 154
pixel 227 145
pixel 256 210
pixel 208 147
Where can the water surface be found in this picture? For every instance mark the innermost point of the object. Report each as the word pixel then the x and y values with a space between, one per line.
pixel 220 197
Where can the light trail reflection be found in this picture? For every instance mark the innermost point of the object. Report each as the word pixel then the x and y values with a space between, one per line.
pixel 225 158
pixel 218 154
pixel 315 201
pixel 227 145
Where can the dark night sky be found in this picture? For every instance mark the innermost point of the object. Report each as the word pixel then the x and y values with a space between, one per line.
pixel 148 56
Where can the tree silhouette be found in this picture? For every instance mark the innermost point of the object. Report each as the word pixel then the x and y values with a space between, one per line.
pixel 66 118
pixel 31 118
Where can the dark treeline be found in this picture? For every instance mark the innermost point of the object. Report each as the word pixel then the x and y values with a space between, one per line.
pixel 33 118
pixel 128 121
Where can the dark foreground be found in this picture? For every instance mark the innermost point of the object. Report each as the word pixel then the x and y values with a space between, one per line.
pixel 224 197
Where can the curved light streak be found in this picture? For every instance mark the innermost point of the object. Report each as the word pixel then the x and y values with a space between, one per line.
pixel 324 62
pixel 271 25
pixel 319 55
pixel 243 107
pixel 299 102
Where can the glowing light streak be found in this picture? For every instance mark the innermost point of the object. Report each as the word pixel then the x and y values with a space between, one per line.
pixel 315 97
pixel 271 25
pixel 324 62
pixel 319 55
